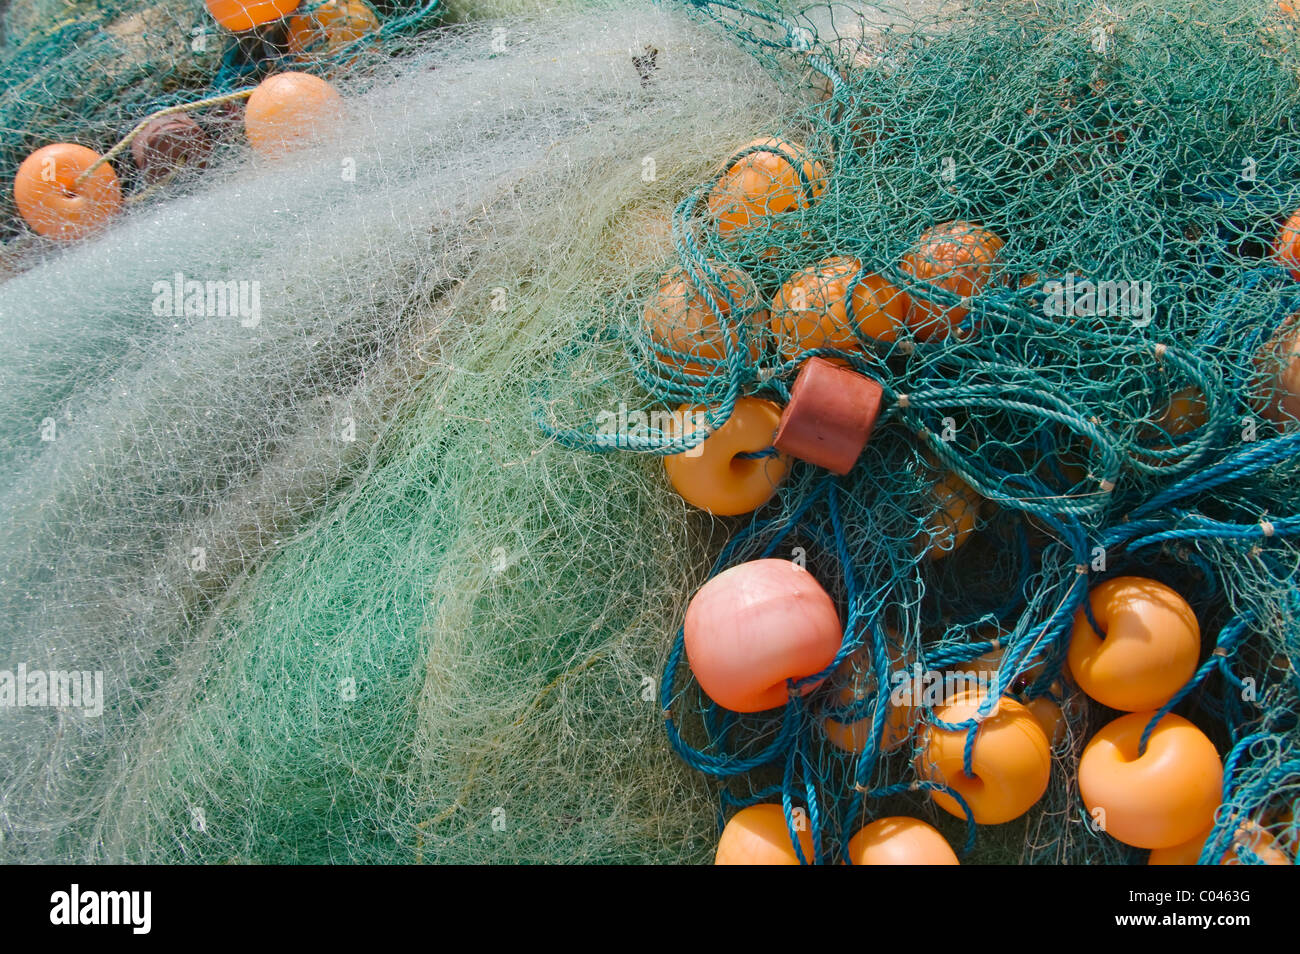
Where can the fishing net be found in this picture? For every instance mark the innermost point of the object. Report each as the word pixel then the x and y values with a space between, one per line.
pixel 88 72
pixel 1091 391
pixel 372 577
pixel 457 658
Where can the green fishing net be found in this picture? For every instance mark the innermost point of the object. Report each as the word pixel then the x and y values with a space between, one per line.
pixel 451 638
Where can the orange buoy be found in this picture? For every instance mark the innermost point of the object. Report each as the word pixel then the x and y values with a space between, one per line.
pixel 1248 836
pixel 714 476
pixel 1278 362
pixel 1286 247
pixel 1157 800
pixel 1152 641
pixel 51 201
pixel 755 626
pixel 948 526
pixel 291 110
pixel 1185 412
pixel 678 319
pixel 239 15
pixel 1011 760
pixel 1049 716
pixel 900 840
pixel 759 835
pixel 857 681
pixel 329 27
pixel 959 257
pixel 811 310
pixel 764 178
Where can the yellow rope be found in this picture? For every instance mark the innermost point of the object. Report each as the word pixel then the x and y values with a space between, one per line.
pixel 169 111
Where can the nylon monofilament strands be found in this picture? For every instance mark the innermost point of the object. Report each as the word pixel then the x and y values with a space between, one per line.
pixel 988 349
pixel 347 605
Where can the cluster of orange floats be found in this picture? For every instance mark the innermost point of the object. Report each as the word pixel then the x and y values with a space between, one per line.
pixel 757 626
pixel 67 191
pixel 837 304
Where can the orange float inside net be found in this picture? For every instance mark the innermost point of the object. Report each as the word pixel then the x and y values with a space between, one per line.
pixel 713 476
pixel 759 835
pixel 811 310
pixel 900 840
pixel 857 681
pixel 1011 760
pixel 54 204
pixel 755 626
pixel 764 178
pixel 239 15
pixel 291 110
pixel 1286 248
pixel 1278 360
pixel 950 524
pixel 330 27
pixel 1159 799
pixel 1151 645
pixel 1249 837
pixel 679 319
pixel 959 257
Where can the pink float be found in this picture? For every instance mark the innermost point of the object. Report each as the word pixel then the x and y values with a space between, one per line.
pixel 755 626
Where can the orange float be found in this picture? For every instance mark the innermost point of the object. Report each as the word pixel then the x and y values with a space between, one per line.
pixel 678 318
pixel 764 178
pixel 714 477
pixel 239 15
pixel 1011 760
pixel 759 835
pixel 857 681
pixel 1048 715
pixel 54 204
pixel 1185 412
pixel 755 626
pixel 900 841
pixel 1151 645
pixel 291 110
pixel 950 524
pixel 1159 799
pixel 811 309
pixel 1279 363
pixel 1249 837
pixel 959 257
pixel 1286 248
pixel 330 27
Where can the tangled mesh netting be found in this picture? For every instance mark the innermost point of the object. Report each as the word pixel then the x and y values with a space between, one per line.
pixel 1030 444
pixel 89 71
pixel 451 661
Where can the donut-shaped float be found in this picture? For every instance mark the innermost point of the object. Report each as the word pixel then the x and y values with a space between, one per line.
pixel 1248 836
pixel 290 110
pixel 54 204
pixel 714 476
pixel 1011 760
pixel 759 835
pixel 755 626
pixel 856 680
pixel 900 840
pixel 1160 799
pixel 1151 645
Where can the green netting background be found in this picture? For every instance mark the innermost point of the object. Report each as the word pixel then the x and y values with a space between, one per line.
pixel 461 648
